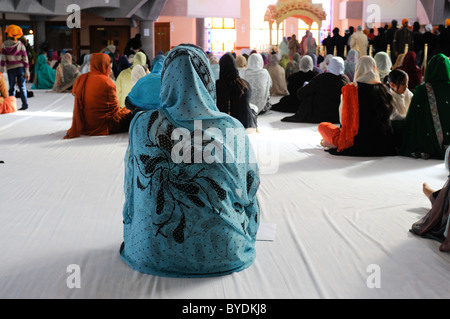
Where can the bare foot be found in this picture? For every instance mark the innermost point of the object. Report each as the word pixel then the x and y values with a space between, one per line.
pixel 326 144
pixel 427 190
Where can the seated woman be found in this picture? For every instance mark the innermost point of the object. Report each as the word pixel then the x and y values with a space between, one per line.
pixel 315 67
pixel 290 103
pixel 278 76
pixel 260 82
pixel 435 224
pixel 320 98
pixel 8 104
pixel 399 61
pixel 384 65
pixel 294 65
pixel 85 67
pixel 427 127
pixel 188 215
pixel 44 75
pixel 415 74
pixel 144 95
pixel 284 61
pixel 365 117
pixel 124 83
pixel 96 110
pixel 234 93
pixel 66 74
pixel 241 62
pixel 350 64
pixel 324 64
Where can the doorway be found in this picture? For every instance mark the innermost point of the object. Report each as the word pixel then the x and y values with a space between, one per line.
pixel 102 36
pixel 162 37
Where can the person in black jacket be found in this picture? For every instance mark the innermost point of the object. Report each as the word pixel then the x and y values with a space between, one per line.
pixel 336 41
pixel 234 93
pixel 431 39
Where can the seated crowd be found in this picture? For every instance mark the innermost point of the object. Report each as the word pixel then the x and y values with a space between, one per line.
pixel 183 218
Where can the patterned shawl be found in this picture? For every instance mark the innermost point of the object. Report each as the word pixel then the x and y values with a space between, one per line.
pixel 182 216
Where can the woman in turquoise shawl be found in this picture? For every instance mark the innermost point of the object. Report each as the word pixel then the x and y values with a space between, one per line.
pixel 427 127
pixel 190 180
pixel 145 93
pixel 44 74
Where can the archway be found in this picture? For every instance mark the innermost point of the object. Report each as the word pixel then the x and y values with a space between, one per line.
pixel 301 9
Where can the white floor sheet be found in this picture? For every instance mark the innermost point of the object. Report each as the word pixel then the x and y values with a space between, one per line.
pixel 341 224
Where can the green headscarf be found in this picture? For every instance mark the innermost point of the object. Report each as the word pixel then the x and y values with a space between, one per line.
pixel 438 69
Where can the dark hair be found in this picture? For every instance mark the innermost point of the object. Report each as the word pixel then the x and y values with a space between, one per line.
pixel 397 76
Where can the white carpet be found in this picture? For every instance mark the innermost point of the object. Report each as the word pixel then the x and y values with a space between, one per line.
pixel 342 224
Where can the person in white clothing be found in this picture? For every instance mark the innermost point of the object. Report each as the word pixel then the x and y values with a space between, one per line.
pixel 398 84
pixel 359 42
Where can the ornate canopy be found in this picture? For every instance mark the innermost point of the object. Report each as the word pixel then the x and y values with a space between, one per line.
pixel 301 9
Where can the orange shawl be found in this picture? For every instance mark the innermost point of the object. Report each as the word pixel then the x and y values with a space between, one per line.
pixel 350 117
pixel 7 103
pixel 96 107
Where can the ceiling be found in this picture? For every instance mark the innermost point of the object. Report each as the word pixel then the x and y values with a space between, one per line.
pixel 136 9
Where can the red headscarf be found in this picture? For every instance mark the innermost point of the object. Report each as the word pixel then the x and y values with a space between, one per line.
pixel 415 74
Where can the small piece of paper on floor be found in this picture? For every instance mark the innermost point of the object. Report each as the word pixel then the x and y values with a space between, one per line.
pixel 266 232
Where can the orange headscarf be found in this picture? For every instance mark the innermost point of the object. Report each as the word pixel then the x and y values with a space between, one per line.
pixel 405 21
pixel 96 108
pixel 14 31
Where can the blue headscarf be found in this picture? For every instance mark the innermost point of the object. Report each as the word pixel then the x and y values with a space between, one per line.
pixel 145 93
pixel 45 75
pixel 192 218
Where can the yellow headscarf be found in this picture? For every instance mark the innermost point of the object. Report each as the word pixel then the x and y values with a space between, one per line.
pixel 14 31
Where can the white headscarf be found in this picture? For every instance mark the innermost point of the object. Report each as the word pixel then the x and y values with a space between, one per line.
pixel 336 66
pixel 350 64
pixel 86 67
pixel 259 80
pixel 324 64
pixel 384 64
pixel 366 71
pixel 306 63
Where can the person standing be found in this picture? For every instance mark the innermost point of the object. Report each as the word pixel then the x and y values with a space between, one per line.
pixel 14 60
pixel 444 39
pixel 388 39
pixel 402 37
pixel 336 41
pixel 294 45
pixel 359 42
pixel 309 44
